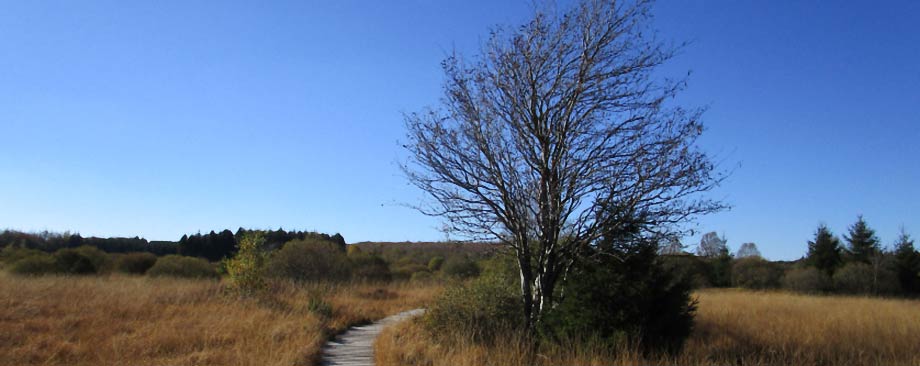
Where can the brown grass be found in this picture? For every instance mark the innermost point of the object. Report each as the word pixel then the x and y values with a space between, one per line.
pixel 123 320
pixel 733 327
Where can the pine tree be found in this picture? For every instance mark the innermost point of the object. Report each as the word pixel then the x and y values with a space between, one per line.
pixel 907 262
pixel 863 244
pixel 824 251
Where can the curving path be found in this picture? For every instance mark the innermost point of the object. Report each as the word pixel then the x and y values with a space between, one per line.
pixel 355 347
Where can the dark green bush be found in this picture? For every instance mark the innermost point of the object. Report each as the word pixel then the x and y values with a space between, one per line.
pixel 135 263
pixel 460 267
pixel 406 271
pixel 82 260
pixel 369 267
pixel 865 279
pixel 635 300
pixel 181 266
pixel 35 265
pixel 10 254
pixel 755 273
pixel 309 260
pixel 807 280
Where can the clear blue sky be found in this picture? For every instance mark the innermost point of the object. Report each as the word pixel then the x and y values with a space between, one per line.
pixel 170 117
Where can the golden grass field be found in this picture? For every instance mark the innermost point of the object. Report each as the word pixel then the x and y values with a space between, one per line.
pixel 732 327
pixel 127 320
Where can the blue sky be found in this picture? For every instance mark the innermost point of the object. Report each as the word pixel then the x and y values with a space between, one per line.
pixel 171 117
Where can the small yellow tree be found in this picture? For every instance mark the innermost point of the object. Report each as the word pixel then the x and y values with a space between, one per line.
pixel 247 268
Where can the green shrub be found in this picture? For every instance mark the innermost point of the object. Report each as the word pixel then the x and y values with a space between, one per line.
pixel 35 265
pixel 421 277
pixel 755 273
pixel 435 263
pixel 135 263
pixel 865 279
pixel 636 300
pixel 807 280
pixel 460 267
pixel 309 260
pixel 181 266
pixel 405 271
pixel 481 310
pixel 10 254
pixel 368 267
pixel 82 260
pixel 247 267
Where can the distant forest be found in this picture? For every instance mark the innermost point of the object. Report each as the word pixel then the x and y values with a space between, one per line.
pixel 212 246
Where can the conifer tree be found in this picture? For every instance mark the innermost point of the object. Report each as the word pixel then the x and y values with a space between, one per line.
pixel 907 262
pixel 863 244
pixel 824 251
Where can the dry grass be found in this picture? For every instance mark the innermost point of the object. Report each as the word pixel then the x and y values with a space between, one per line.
pixel 122 320
pixel 733 327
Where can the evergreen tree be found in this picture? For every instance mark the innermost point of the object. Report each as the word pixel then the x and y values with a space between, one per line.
pixel 863 244
pixel 824 251
pixel 907 263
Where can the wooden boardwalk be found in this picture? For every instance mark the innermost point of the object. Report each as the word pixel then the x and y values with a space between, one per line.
pixel 355 347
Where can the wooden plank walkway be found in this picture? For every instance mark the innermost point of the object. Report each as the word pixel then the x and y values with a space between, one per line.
pixel 355 347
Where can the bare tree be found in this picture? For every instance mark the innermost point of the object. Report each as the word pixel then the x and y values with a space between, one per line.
pixel 556 135
pixel 711 245
pixel 747 250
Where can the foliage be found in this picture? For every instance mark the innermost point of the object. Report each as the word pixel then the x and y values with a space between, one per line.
pixel 369 267
pixel 460 267
pixel 181 266
pixel 907 264
pixel 711 245
pixel 720 268
pixel 10 254
pixel 624 292
pixel 407 270
pixel 246 270
pixel 51 242
pixel 863 279
pixel 824 251
pixel 807 280
pixel 688 268
pixel 135 263
pixel 306 260
pixel 35 265
pixel 435 263
pixel 82 260
pixel 754 272
pixel 863 244
pixel 481 309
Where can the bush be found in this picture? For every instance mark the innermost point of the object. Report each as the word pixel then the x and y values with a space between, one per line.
pixel 35 265
pixel 82 260
pixel 247 267
pixel 11 254
pixel 135 263
pixel 309 260
pixel 807 280
pixel 406 271
pixel 864 279
pixel 687 268
pixel 421 277
pixel 460 267
pixel 636 300
pixel 755 273
pixel 368 267
pixel 185 267
pixel 435 263
pixel 482 309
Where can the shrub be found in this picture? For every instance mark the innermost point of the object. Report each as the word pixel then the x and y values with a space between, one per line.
pixel 11 254
pixel 368 267
pixel 755 273
pixel 636 300
pixel 460 267
pixel 35 265
pixel 309 260
pixel 808 280
pixel 405 271
pixel 435 263
pixel 181 266
pixel 864 279
pixel 421 277
pixel 135 263
pixel 82 260
pixel 687 268
pixel 247 267
pixel 482 309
